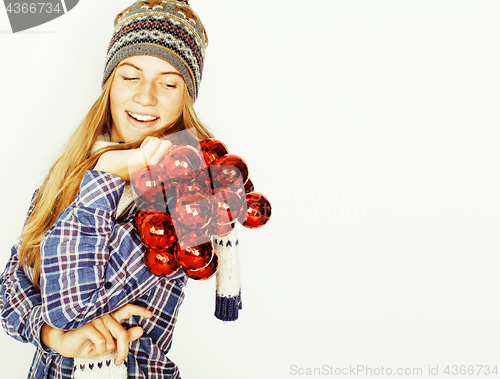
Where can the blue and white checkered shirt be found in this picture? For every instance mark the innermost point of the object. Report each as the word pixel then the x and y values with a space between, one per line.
pixel 91 266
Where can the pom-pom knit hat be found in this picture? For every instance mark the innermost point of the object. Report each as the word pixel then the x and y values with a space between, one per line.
pixel 166 29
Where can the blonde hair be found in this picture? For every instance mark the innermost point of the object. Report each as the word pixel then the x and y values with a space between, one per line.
pixel 61 185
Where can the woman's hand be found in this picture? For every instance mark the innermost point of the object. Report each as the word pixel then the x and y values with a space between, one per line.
pixel 125 163
pixel 98 337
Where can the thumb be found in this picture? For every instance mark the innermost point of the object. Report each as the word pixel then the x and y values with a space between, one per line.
pixel 149 147
pixel 134 333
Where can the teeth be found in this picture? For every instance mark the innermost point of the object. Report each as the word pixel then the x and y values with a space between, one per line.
pixel 141 117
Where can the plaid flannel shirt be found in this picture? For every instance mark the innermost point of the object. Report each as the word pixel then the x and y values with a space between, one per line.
pixel 91 266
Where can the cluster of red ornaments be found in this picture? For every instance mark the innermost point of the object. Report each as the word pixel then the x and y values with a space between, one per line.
pixel 197 194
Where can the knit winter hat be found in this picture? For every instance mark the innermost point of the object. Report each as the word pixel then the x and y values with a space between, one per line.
pixel 166 29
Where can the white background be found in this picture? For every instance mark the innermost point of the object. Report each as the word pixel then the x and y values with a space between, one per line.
pixel 372 126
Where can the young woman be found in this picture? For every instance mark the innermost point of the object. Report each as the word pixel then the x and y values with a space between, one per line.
pixel 76 285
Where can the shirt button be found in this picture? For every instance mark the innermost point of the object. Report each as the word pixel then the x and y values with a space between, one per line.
pixel 107 285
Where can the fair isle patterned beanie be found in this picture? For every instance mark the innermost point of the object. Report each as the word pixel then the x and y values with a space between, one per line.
pixel 166 29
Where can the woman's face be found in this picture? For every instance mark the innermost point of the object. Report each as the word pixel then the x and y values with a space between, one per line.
pixel 146 95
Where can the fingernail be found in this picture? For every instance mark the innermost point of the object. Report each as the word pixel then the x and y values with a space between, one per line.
pixel 149 313
pixel 118 363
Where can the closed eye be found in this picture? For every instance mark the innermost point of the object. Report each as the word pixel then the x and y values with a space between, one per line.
pixel 167 85
pixel 125 78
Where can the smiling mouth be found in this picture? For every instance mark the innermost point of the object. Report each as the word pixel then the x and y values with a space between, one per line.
pixel 142 118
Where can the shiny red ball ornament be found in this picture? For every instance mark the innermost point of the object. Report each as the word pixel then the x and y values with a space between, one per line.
pixel 180 160
pixel 157 231
pixel 150 183
pixel 161 262
pixel 182 232
pixel 190 238
pixel 227 206
pixel 235 184
pixel 212 150
pixel 139 218
pixel 193 211
pixel 194 257
pixel 195 182
pixel 217 230
pixel 227 170
pixel 205 272
pixel 258 211
pixel 249 187
pixel 158 206
pixel 241 189
pixel 170 189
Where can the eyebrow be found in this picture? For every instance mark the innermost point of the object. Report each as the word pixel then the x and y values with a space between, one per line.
pixel 138 69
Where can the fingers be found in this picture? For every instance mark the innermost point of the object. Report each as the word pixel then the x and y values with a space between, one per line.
pixel 148 147
pixel 121 335
pixel 157 158
pixel 135 333
pixel 125 163
pixel 149 139
pixel 98 336
pixel 92 334
pixel 154 149
pixel 130 310
pixel 122 340
pixel 101 327
pixel 151 152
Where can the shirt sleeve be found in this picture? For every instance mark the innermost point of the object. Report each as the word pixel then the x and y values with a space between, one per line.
pixel 20 303
pixel 90 266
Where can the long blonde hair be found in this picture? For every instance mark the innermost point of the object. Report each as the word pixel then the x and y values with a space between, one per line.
pixel 61 185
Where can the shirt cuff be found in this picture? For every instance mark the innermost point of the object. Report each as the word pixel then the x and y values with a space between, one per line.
pixel 35 328
pixel 227 308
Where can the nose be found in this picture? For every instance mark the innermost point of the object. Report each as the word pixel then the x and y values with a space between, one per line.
pixel 145 95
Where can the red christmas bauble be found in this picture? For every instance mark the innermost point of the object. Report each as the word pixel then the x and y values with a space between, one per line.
pixel 190 238
pixel 150 183
pixel 139 218
pixel 171 189
pixel 193 211
pixel 212 150
pixel 194 257
pixel 258 211
pixel 227 206
pixel 249 187
pixel 157 231
pixel 180 160
pixel 217 230
pixel 161 262
pixel 242 190
pixel 158 206
pixel 205 272
pixel 195 182
pixel 228 171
